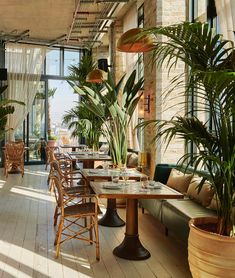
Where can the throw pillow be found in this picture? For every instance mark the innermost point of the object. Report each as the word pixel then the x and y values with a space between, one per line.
pixel 179 181
pixel 132 161
pixel 205 196
pixel 213 204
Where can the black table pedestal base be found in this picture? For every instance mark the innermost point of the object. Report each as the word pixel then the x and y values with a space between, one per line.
pixel 131 249
pixel 111 218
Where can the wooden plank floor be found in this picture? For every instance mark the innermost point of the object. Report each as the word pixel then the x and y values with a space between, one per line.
pixel 27 235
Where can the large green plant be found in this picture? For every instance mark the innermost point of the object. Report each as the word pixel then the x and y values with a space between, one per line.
pixel 6 108
pixel 84 123
pixel 114 107
pixel 79 72
pixel 210 84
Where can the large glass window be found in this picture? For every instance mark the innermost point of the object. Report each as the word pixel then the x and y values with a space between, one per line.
pixel 36 125
pixel 71 57
pixel 140 55
pixel 53 98
pixel 61 99
pixel 53 62
pixel 203 11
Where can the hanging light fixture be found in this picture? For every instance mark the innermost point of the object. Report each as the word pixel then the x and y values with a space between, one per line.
pixel 96 76
pixel 133 41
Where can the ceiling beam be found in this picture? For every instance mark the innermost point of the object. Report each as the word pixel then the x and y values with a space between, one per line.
pixel 73 21
pixel 58 39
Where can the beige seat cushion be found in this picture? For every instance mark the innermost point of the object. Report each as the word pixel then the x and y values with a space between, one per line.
pixel 213 204
pixel 203 197
pixel 132 160
pixel 179 181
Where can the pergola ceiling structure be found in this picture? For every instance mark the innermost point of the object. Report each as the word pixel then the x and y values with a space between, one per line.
pixel 73 23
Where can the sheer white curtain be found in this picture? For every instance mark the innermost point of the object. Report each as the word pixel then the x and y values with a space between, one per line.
pixel 226 14
pixel 24 64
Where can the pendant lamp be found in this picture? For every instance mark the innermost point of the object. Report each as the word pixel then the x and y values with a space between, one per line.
pixel 96 76
pixel 133 41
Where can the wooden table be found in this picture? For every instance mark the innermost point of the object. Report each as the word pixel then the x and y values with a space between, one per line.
pixel 131 247
pixel 73 147
pixel 88 159
pixel 111 217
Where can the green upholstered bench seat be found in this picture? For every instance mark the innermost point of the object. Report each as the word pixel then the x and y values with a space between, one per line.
pixel 174 214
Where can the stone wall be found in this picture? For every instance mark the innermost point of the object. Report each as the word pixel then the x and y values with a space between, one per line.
pixel 157 13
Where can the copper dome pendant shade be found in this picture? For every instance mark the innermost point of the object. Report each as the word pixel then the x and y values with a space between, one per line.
pixel 96 76
pixel 133 41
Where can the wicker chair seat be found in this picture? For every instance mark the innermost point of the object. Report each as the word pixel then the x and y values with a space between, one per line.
pixel 79 209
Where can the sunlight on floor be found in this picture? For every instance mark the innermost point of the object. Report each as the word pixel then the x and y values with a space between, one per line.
pixel 2 182
pixel 31 194
pixel 31 261
pixel 36 173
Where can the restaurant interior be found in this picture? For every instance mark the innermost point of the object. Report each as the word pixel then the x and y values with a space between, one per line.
pixel 117 133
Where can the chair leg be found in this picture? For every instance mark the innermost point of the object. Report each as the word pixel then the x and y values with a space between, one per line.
pixel 58 238
pixel 90 230
pixel 55 216
pixel 143 210
pixel 97 238
pixel 51 186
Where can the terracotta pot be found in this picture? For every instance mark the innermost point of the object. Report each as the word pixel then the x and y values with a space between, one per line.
pixel 51 143
pixel 210 254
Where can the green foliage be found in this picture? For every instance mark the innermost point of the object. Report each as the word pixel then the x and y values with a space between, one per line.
pixel 78 73
pixel 114 108
pixel 211 85
pixel 6 108
pixel 84 123
pixel 52 137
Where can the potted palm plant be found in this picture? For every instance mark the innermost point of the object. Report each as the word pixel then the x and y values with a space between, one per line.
pixel 114 107
pixel 84 123
pixel 6 108
pixel 210 84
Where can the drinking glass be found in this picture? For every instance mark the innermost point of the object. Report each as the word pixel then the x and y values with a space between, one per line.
pixel 124 175
pixel 144 181
pixel 115 176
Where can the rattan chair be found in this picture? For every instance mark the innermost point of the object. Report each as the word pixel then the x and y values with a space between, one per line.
pixel 14 157
pixel 71 225
pixel 66 162
pixel 66 179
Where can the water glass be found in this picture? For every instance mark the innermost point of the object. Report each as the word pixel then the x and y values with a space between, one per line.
pixel 115 176
pixel 125 175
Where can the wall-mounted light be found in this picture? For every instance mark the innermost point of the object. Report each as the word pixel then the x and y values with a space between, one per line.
pixel 3 74
pixel 147 103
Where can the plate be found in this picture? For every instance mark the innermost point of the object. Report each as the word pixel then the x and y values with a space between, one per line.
pixel 156 186
pixel 112 186
pixel 94 172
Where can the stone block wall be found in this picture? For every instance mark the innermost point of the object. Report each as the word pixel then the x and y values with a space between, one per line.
pixel 157 79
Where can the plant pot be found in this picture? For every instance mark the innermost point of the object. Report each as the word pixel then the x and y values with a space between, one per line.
pixel 210 254
pixel 51 143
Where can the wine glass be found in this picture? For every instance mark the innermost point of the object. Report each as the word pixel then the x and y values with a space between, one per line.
pixel 125 175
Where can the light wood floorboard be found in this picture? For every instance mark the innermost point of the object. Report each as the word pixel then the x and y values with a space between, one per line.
pixel 27 239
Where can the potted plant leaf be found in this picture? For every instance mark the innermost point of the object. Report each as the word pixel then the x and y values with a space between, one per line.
pixel 210 84
pixel 6 108
pixel 84 123
pixel 114 107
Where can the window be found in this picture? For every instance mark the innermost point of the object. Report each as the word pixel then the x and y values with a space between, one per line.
pixel 70 58
pixel 140 66
pixel 53 62
pixel 48 108
pixel 203 11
